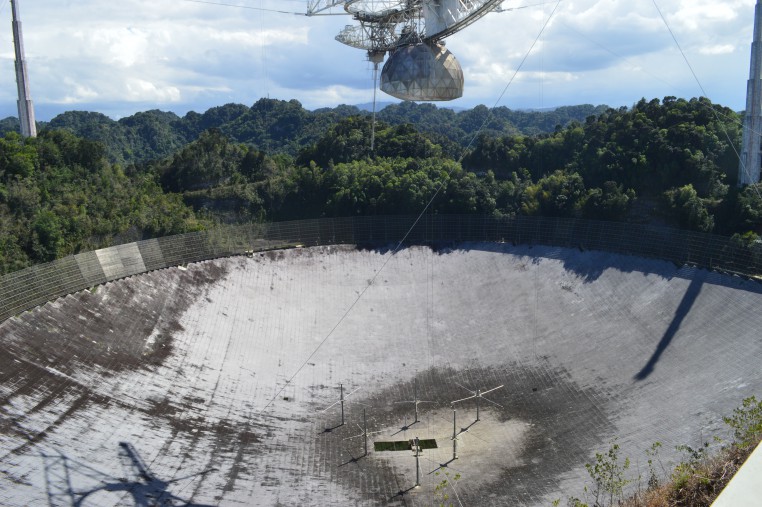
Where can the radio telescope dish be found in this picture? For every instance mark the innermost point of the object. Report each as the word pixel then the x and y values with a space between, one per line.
pixel 412 32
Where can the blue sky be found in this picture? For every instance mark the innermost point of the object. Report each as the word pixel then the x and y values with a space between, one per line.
pixel 118 58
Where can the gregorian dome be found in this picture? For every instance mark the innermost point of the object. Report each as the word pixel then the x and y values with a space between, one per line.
pixel 422 72
pixel 412 33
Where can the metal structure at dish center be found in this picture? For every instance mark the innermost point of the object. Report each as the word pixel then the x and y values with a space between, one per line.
pixel 412 33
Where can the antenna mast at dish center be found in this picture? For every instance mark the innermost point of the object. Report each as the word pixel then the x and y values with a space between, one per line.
pixel 26 109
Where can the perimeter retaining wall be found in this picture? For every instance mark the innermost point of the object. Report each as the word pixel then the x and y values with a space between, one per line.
pixel 34 286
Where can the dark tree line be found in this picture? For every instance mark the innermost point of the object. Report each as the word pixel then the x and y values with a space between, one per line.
pixel 668 162
pixel 59 195
pixel 278 126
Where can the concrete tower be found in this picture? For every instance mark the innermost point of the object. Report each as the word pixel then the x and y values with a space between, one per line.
pixel 751 156
pixel 26 109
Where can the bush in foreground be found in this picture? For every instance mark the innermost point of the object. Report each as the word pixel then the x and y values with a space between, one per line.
pixel 694 482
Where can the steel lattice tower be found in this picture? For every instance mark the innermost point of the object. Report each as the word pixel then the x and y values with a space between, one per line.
pixel 751 156
pixel 26 109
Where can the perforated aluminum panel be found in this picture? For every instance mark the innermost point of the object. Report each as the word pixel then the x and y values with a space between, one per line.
pixel 422 72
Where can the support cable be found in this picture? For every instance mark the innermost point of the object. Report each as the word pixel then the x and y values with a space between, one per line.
pixel 263 45
pixel 645 71
pixel 703 91
pixel 457 496
pixel 294 13
pixel 505 89
pixel 397 248
pixel 373 121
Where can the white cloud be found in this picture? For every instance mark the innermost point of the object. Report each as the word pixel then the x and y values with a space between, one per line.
pixel 693 15
pixel 79 93
pixel 139 90
pixel 720 49
pixel 271 37
pixel 175 54
pixel 332 95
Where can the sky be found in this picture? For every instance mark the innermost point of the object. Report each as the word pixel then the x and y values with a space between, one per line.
pixel 118 58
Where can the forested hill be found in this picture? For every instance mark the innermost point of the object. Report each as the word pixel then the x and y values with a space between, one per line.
pixel 668 161
pixel 277 126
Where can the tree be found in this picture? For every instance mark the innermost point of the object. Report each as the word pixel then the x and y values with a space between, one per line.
pixel 18 157
pixel 558 194
pixel 47 239
pixel 749 208
pixel 608 203
pixel 689 209
pixel 210 161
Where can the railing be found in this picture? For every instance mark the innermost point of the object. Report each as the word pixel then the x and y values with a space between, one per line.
pixel 28 288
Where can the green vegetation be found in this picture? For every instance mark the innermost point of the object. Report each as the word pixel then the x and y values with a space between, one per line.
pixel 89 181
pixel 695 481
pixel 441 490
pixel 608 476
pixel 746 423
pixel 59 196
pixel 285 127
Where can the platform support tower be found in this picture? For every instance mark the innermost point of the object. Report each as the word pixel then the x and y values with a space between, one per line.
pixel 751 154
pixel 26 109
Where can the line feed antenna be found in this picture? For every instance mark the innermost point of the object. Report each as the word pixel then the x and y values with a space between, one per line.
pixel 478 395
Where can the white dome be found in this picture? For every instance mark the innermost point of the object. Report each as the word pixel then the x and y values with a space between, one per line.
pixel 422 72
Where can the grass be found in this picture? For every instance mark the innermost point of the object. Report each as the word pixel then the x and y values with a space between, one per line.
pixel 694 482
pixel 697 486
